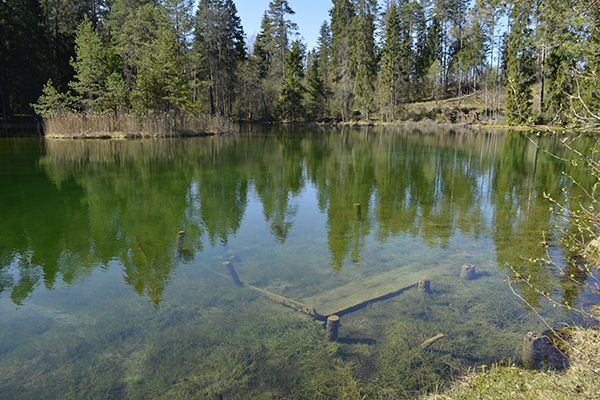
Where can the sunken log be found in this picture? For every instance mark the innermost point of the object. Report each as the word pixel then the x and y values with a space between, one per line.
pixel 234 275
pixel 363 304
pixel 425 286
pixel 427 343
pixel 293 304
pixel 333 327
pixel 468 272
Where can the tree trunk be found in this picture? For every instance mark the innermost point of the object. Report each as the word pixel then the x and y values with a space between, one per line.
pixel 5 100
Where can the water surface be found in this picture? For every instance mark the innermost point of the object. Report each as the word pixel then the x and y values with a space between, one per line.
pixel 96 301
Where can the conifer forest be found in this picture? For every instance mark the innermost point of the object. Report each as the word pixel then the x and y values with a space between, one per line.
pixel 526 62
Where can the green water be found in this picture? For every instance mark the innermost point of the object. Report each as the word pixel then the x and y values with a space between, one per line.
pixel 96 302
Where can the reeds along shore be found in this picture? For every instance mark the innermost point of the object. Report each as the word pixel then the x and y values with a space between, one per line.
pixel 83 126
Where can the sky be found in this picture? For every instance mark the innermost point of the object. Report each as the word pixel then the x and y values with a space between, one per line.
pixel 309 16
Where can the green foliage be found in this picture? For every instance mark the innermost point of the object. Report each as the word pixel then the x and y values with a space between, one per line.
pixel 291 100
pixel 317 93
pixel 160 84
pixel 116 94
pixel 90 66
pixel 364 58
pixel 111 54
pixel 519 60
pixel 52 102
pixel 219 46
pixel 343 71
pixel 391 75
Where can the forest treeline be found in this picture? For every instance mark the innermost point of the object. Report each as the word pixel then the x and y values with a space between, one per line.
pixel 174 56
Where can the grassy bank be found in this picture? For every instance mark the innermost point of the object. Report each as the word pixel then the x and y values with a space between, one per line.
pixel 113 126
pixel 580 381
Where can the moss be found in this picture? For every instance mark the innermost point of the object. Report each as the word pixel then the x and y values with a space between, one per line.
pixel 579 382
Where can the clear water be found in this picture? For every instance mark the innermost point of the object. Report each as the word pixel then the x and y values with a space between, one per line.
pixel 97 302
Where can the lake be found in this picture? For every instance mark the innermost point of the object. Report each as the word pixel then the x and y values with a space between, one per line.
pixel 101 296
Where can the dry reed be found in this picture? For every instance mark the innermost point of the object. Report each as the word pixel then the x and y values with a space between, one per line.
pixel 73 125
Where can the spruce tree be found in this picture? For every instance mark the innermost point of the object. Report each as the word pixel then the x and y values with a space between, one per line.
pixel 519 69
pixel 323 55
pixel 116 94
pixel 317 93
pixel 220 48
pixel 591 82
pixel 391 69
pixel 342 15
pixel 422 57
pixel 364 58
pixel 280 31
pixel 161 84
pixel 180 14
pixel 557 31
pixel 261 62
pixel 52 102
pixel 290 106
pixel 90 66
pixel 407 58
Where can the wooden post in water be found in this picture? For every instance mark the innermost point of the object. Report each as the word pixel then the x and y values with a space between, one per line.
pixel 234 275
pixel 425 286
pixel 358 209
pixel 333 327
pixel 468 272
pixel 180 241
pixel 540 351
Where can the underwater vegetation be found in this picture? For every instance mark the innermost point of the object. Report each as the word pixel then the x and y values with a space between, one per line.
pixel 114 306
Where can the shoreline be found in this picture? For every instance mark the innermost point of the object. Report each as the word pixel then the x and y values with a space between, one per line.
pixel 424 124
pixel 125 136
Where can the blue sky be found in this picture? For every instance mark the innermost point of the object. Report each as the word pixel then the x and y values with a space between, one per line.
pixel 309 16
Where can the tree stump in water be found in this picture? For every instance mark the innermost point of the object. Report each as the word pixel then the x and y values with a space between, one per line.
pixel 333 327
pixel 539 352
pixel 180 241
pixel 358 209
pixel 425 286
pixel 468 272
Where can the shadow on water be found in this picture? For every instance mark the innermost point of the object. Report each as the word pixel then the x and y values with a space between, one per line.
pixel 111 301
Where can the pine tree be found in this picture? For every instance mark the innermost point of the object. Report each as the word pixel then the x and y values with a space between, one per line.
pixel 519 69
pixel 90 65
pixel 290 106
